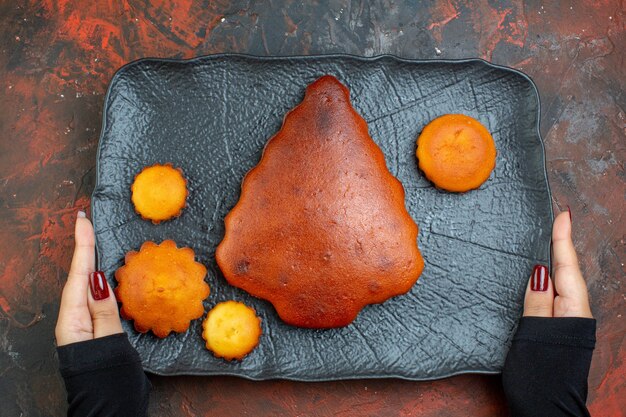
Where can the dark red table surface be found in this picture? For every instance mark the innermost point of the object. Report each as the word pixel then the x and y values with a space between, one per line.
pixel 56 62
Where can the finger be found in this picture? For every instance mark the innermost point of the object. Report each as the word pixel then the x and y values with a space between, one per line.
pixel 567 276
pixel 102 306
pixel 572 299
pixel 83 263
pixel 539 299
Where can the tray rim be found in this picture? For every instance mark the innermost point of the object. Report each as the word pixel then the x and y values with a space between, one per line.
pixel 226 55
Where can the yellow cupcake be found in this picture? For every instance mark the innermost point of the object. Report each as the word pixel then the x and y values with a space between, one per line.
pixel 231 330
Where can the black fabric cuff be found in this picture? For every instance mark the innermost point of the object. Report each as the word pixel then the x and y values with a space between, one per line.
pixel 567 331
pixel 101 353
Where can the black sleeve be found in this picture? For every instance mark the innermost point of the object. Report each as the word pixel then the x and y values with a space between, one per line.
pixel 546 370
pixel 104 377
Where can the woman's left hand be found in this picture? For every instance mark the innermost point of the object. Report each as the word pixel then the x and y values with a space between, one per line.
pixel 567 296
pixel 88 306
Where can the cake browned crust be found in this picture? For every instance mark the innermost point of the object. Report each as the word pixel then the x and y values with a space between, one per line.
pixel 321 228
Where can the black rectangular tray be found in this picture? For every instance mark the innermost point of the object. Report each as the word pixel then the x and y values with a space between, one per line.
pixel 212 116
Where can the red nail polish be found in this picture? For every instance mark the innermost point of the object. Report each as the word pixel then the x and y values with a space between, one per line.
pixel 540 278
pixel 569 210
pixel 98 285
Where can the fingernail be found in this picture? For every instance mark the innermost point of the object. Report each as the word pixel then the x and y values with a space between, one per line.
pixel 569 210
pixel 98 285
pixel 81 214
pixel 539 280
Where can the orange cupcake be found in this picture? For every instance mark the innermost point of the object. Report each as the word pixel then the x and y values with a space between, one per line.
pixel 159 192
pixel 161 288
pixel 456 152
pixel 231 330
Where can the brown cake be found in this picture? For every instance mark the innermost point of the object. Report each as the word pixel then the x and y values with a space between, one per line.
pixel 161 288
pixel 321 229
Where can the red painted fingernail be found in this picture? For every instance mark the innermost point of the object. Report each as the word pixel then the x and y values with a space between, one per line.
pixel 98 285
pixel 539 280
pixel 569 210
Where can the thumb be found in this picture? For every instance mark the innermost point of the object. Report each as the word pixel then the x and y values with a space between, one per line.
pixel 572 299
pixel 539 298
pixel 102 306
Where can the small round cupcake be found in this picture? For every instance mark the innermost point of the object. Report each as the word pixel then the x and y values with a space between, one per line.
pixel 231 330
pixel 456 152
pixel 159 192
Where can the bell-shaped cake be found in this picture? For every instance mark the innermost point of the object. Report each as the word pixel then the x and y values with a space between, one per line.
pixel 321 229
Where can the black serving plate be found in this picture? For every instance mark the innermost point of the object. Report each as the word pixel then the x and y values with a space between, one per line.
pixel 212 115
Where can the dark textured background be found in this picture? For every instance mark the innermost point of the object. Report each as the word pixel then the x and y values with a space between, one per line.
pixel 58 57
